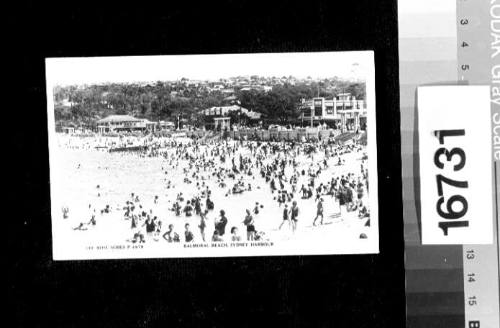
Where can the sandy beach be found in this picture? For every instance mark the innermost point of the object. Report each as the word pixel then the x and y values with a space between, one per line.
pixel 87 178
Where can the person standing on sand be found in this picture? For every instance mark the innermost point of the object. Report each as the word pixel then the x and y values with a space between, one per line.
pixel 65 211
pixel 285 217
pixel 249 223
pixel 341 196
pixel 188 209
pixel 319 212
pixel 203 223
pixel 188 235
pixel 294 211
pixel 220 225
pixel 256 208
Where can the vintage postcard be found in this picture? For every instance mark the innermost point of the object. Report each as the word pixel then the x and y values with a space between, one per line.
pixel 213 155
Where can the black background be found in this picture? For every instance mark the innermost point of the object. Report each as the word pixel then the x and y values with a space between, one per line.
pixel 296 291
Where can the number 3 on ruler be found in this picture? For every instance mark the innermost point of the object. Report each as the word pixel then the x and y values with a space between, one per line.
pixel 450 155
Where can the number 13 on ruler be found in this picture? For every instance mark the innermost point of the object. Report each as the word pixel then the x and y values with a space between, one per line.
pixel 454 148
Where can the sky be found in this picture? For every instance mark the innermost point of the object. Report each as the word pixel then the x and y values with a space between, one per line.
pixel 88 70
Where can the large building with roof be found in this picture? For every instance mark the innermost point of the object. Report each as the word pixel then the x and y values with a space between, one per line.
pixel 217 117
pixel 121 123
pixel 343 111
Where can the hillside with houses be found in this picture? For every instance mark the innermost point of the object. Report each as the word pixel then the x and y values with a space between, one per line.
pixel 186 102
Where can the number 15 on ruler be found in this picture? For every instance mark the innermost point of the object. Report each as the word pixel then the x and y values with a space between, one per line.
pixel 455 165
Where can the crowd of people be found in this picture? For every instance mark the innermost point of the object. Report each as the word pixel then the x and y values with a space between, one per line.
pixel 292 174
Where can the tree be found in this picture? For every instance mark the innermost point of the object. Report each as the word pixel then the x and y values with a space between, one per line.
pixel 154 101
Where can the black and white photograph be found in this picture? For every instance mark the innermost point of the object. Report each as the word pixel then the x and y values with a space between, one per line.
pixel 236 163
pixel 212 155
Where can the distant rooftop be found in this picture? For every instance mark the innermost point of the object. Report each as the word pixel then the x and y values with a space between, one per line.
pixel 224 110
pixel 118 119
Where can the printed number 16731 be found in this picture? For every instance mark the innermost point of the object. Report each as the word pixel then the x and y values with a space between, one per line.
pixel 447 207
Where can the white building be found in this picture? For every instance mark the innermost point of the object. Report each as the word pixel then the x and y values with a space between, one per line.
pixel 117 123
pixel 343 111
pixel 224 111
pixel 217 117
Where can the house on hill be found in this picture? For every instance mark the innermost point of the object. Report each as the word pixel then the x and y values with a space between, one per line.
pixel 119 123
pixel 344 111
pixel 217 117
